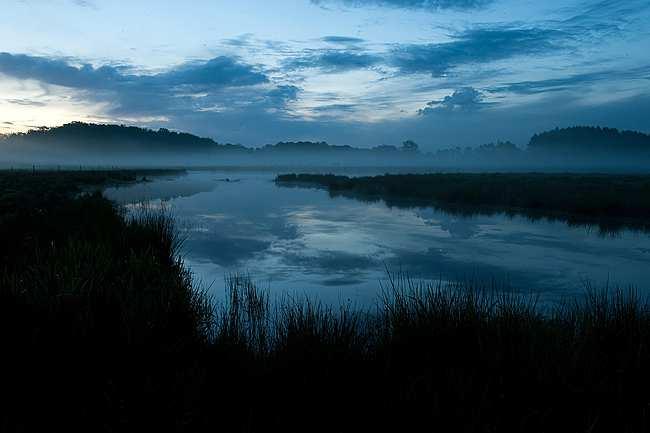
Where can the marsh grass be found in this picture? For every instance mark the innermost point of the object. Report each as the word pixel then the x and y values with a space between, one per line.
pixel 103 329
pixel 450 357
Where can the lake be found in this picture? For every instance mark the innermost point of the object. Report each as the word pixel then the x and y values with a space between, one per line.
pixel 302 241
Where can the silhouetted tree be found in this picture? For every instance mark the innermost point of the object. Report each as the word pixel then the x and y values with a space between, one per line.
pixel 588 140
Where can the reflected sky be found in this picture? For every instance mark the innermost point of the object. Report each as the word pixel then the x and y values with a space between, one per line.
pixel 293 240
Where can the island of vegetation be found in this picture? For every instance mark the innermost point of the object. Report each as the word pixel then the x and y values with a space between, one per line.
pixel 609 201
pixel 97 305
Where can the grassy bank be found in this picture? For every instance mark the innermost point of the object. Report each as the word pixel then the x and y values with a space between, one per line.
pixel 609 201
pixel 102 329
pixel 432 358
pixel 88 298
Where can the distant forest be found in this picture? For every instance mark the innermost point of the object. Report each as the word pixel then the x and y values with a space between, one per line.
pixel 582 140
pixel 115 144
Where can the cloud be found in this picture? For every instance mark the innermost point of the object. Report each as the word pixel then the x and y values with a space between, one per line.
pixel 284 93
pixel 428 5
pixel 334 112
pixel 59 72
pixel 475 46
pixel 330 60
pixel 572 82
pixel 244 40
pixel 85 4
pixel 221 83
pixel 343 40
pixel 462 100
pixel 608 14
pixel 334 107
pixel 26 102
pixel 220 72
pixel 224 250
pixel 329 262
pixel 483 44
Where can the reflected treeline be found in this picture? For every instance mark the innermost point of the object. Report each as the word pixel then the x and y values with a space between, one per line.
pixel 164 188
pixel 610 203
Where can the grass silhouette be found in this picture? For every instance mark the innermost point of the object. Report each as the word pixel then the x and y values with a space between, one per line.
pixel 103 329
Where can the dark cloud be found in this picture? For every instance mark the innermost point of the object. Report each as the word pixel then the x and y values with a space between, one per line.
pixel 462 100
pixel 430 5
pixel 333 60
pixel 607 15
pixel 222 83
pixel 434 264
pixel 60 73
pixel 343 40
pixel 475 46
pixel 329 262
pixel 573 82
pixel 218 72
pixel 223 250
pixel 335 108
pixel 343 281
pixel 284 93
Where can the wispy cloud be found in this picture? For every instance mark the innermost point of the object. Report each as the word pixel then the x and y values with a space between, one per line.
pixel 475 46
pixel 26 102
pixel 342 40
pixel 573 81
pixel 331 60
pixel 428 5
pixel 85 4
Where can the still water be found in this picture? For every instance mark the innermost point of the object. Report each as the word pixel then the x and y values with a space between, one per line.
pixel 302 241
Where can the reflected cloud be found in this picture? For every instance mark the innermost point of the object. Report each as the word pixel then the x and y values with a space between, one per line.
pixel 437 264
pixel 224 251
pixel 305 240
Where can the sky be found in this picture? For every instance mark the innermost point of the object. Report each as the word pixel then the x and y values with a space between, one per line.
pixel 444 73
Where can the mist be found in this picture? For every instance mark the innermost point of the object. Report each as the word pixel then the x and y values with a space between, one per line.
pixel 79 144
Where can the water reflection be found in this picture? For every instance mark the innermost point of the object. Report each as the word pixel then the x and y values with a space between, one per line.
pixel 603 226
pixel 306 241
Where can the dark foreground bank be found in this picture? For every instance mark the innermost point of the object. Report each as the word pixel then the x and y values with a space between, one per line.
pixel 610 202
pixel 103 330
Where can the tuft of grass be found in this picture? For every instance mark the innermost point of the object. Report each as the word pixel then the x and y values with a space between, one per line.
pixel 458 356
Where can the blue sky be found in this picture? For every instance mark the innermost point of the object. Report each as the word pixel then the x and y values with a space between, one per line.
pixel 360 72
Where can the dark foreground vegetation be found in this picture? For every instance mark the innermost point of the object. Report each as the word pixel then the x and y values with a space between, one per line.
pixel 103 330
pixel 611 202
